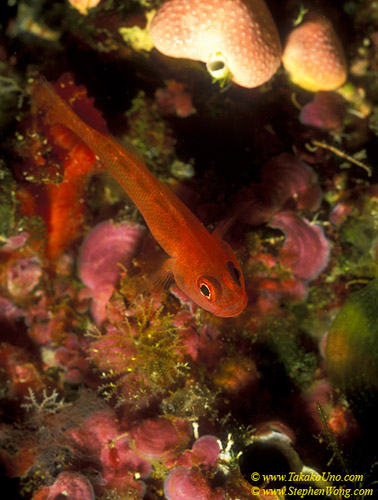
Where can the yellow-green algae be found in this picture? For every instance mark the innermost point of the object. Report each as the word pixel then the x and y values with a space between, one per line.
pixel 352 346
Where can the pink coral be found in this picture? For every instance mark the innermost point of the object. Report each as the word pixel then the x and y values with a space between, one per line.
pixel 161 438
pixel 104 250
pixel 207 450
pixel 204 453
pixel 287 182
pixel 96 432
pixel 109 353
pixel 100 436
pixel 121 466
pixel 234 33
pixel 71 485
pixel 306 249
pixel 325 111
pixel 304 254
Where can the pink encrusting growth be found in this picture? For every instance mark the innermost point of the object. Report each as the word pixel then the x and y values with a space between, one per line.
pixel 23 276
pixel 326 111
pixel 288 185
pixel 71 357
pixel 100 437
pixel 71 485
pixel 162 439
pixel 206 449
pixel 313 55
pixel 204 453
pixel 306 249
pixel 189 479
pixel 238 34
pixel 290 181
pixel 105 249
pixel 14 242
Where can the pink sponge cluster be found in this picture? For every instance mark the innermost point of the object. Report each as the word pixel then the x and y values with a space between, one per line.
pixel 104 250
pixel 238 34
pixel 313 55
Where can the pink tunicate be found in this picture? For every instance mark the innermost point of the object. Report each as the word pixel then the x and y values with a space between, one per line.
pixel 162 439
pixel 204 453
pixel 106 247
pixel 96 432
pixel 120 465
pixel 305 249
pixel 184 484
pixel 207 449
pixel 289 179
pixel 72 486
pixel 325 111
pixel 287 183
pixel 23 276
pixel 104 250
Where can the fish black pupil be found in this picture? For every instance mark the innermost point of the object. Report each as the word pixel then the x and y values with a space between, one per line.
pixel 234 273
pixel 205 291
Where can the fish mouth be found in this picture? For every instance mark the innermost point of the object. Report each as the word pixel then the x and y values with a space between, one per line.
pixel 234 309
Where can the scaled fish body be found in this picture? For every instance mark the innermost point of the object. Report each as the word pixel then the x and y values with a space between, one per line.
pixel 204 266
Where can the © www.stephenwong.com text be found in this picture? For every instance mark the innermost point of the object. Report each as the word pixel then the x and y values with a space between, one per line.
pixel 341 491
